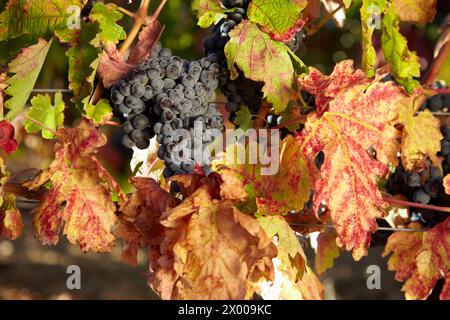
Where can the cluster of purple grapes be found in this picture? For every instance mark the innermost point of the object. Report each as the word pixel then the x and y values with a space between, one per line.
pixel 424 186
pixel 163 95
pixel 437 103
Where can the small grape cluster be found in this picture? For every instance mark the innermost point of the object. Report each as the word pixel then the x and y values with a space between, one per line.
pixel 240 91
pixel 163 95
pixel 424 186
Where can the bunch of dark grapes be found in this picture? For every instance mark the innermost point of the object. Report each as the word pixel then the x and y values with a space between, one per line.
pixel 425 187
pixel 164 95
pixel 437 103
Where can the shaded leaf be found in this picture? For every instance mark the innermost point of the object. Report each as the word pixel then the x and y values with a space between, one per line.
pixel 26 68
pixel 7 142
pixel 327 251
pixel 80 195
pixel 140 217
pixel 262 59
pixel 43 111
pixel 35 17
pixel 420 259
pixel 210 251
pixel 280 19
pixel 244 119
pixel 11 224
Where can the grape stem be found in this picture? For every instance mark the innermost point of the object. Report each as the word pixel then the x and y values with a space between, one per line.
pixel 261 116
pixel 24 115
pixel 437 64
pixel 404 203
pixel 112 123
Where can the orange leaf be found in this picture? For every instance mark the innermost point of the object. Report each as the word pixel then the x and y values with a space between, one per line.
pixel 80 194
pixel 139 220
pixel 210 251
pixel 354 117
pixel 421 259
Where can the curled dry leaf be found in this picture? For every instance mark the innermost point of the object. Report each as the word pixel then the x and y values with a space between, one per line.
pixel 81 192
pixel 112 66
pixel 210 251
pixel 140 217
pixel 11 224
pixel 327 251
pixel 421 259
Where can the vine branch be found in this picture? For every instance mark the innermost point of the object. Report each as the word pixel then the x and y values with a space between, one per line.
pixel 404 203
pixel 437 64
pixel 323 22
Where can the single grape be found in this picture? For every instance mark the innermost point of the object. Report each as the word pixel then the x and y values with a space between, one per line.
pixel 140 122
pixel 412 179
pixel 117 97
pixel 420 196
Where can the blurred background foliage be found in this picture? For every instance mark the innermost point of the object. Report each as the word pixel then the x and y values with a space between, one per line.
pixel 108 277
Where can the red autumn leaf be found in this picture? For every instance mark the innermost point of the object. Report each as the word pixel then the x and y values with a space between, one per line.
pixel 421 259
pixel 7 142
pixel 81 192
pixel 355 114
pixel 139 220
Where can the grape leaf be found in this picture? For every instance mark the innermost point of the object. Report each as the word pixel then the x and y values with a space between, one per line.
pixel 327 88
pixel 357 112
pixel 84 56
pixel 286 184
pixel 43 111
pixel 3 86
pixel 139 219
pixel 280 19
pixel 107 16
pixel 99 113
pixel 370 11
pixel 7 142
pixel 405 64
pixel 327 251
pixel 148 38
pixel 81 192
pixel 208 12
pixel 36 17
pixel 421 138
pixel 11 224
pixel 244 119
pixel 420 259
pixel 310 286
pixel 290 252
pixel 210 251
pixel 262 59
pixel 26 68
pixel 420 11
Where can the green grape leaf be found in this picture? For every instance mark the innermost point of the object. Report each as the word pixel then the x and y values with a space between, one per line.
pixel 208 12
pixel 280 19
pixel 43 111
pixel 262 59
pixel 100 112
pixel 26 68
pixel 84 57
pixel 405 64
pixel 244 118
pixel 371 10
pixel 36 17
pixel 107 16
